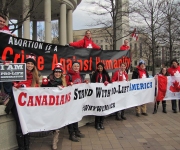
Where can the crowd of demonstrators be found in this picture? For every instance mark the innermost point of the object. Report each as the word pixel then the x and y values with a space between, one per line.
pixel 73 77
pixel 139 73
pixel 100 76
pixel 163 72
pixel 55 79
pixel 120 75
pixel 174 70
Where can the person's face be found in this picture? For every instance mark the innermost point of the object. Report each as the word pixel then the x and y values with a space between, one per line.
pixel 88 34
pixel 174 64
pixel 126 42
pixel 142 66
pixel 164 71
pixel 76 67
pixel 29 66
pixel 2 22
pixel 57 74
pixel 100 68
pixel 123 67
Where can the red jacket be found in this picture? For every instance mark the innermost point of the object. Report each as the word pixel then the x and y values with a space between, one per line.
pixel 5 29
pixel 120 76
pixel 124 47
pixel 85 43
pixel 73 77
pixel 26 83
pixel 173 70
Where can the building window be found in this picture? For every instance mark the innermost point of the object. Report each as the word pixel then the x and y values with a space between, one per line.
pixel 96 41
pixel 106 47
pixel 101 41
pixel 101 46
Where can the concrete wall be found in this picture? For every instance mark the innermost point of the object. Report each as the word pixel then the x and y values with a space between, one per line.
pixel 7 131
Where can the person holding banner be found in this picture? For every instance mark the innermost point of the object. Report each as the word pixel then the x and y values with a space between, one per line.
pixel 125 46
pixel 32 81
pixel 100 76
pixel 163 72
pixel 174 70
pixel 86 42
pixel 73 77
pixel 55 79
pixel 120 75
pixel 139 73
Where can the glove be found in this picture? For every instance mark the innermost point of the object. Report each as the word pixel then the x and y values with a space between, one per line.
pixel 45 80
pixel 23 86
pixel 60 87
pixel 106 83
pixel 86 81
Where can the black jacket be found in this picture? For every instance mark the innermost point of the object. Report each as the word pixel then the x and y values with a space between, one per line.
pixel 105 77
pixel 135 74
pixel 53 82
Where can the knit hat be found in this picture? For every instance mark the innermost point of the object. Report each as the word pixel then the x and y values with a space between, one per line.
pixel 58 68
pixel 141 62
pixel 31 58
pixel 100 63
pixel 75 62
pixel 174 60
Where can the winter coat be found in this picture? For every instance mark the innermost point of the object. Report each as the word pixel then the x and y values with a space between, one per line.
pixel 137 73
pixel 85 43
pixel 120 76
pixel 173 70
pixel 98 77
pixel 124 47
pixel 53 82
pixel 73 77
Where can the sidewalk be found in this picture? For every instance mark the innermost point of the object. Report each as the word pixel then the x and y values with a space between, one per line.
pixel 153 132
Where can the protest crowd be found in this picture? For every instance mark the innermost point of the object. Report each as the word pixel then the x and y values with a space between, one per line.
pixel 73 76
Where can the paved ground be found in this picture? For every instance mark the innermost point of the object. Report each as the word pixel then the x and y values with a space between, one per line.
pixel 153 132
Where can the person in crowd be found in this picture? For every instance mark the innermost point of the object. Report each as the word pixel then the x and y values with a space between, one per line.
pixel 139 73
pixel 174 70
pixel 32 80
pixel 7 86
pixel 163 72
pixel 125 46
pixel 73 77
pixel 86 42
pixel 55 79
pixel 120 75
pixel 100 76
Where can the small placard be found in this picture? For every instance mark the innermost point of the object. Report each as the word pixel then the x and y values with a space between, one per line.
pixel 12 72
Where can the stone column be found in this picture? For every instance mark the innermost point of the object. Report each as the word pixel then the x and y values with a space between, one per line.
pixel 69 26
pixel 63 36
pixel 26 23
pixel 35 30
pixel 47 19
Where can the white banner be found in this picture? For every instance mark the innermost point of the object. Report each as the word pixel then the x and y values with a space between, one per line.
pixel 43 109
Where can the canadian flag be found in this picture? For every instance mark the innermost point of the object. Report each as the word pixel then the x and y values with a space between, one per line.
pixel 168 87
pixel 134 35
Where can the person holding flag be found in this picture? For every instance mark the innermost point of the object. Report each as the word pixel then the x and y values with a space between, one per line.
pixel 174 70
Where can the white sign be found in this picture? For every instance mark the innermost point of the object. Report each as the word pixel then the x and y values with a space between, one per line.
pixel 43 109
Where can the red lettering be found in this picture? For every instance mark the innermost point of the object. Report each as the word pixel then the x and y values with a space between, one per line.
pixel 21 95
pixel 51 100
pixel 30 102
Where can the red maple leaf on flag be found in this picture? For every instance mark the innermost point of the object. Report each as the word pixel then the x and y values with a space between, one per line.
pixel 175 87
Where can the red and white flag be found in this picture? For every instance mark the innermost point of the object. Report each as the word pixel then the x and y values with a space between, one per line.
pixel 134 35
pixel 168 87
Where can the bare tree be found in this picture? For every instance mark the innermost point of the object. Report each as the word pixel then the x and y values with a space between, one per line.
pixel 5 6
pixel 170 28
pixel 110 14
pixel 150 15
